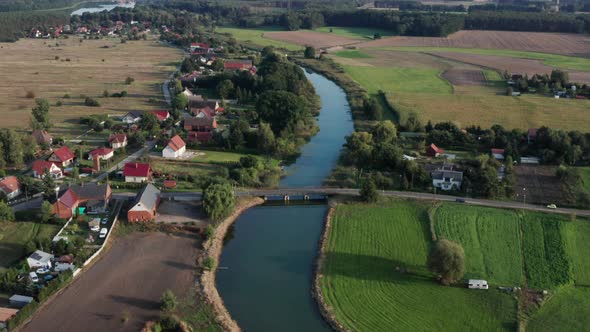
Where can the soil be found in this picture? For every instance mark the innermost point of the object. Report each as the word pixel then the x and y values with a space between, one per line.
pixel 127 281
pixel 181 212
pixel 542 186
pixel 311 38
pixel 465 77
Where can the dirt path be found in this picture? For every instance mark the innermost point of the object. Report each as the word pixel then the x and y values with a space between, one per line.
pixel 130 278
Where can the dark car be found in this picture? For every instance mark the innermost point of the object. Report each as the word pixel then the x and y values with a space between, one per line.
pixel 460 200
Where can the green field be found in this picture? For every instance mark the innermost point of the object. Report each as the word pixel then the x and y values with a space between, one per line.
pixel 256 36
pixel 14 236
pixel 363 285
pixel 351 32
pixel 585 173
pixel 554 60
pixel 206 156
pixel 566 311
pixel 579 240
pixel 352 54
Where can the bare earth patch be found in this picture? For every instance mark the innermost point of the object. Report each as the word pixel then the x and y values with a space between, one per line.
pixel 181 212
pixel 468 77
pixel 559 43
pixel 310 38
pixel 542 186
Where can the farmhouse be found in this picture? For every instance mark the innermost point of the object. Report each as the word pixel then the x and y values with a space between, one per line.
pixel 118 141
pixel 161 115
pixel 200 124
pixel 237 65
pixel 40 167
pixel 498 154
pixel 131 117
pixel 175 148
pixel 5 315
pixel 434 151
pixel 137 173
pixel 197 101
pixel 101 154
pixel 145 205
pixel 95 197
pixel 42 137
pixel 10 187
pixel 20 301
pixel 446 178
pixel 39 259
pixel 62 156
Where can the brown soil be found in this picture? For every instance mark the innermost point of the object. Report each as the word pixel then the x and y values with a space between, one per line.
pixel 542 186
pixel 464 77
pixel 559 43
pixel 310 38
pixel 129 279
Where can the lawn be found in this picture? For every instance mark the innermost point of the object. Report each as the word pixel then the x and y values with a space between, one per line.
pixel 352 32
pixel 579 241
pixel 565 311
pixel 585 173
pixel 206 156
pixel 375 277
pixel 352 54
pixel 256 36
pixel 14 236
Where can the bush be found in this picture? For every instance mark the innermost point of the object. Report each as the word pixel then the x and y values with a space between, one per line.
pixel 66 96
pixel 209 232
pixel 129 80
pixel 91 102
pixel 169 322
pixel 447 259
pixel 168 301
pixel 209 263
pixel 30 95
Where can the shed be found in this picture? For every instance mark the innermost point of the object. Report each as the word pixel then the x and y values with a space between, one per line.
pixel 477 284
pixel 20 301
pixel 39 259
pixel 5 315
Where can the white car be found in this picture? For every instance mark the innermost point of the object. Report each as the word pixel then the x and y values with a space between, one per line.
pixel 552 206
pixel 103 233
pixel 95 228
pixel 33 276
pixel 104 221
pixel 43 270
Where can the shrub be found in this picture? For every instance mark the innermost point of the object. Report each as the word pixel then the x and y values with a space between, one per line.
pixel 66 96
pixel 129 80
pixel 209 263
pixel 91 102
pixel 58 103
pixel 30 95
pixel 210 231
pixel 447 259
pixel 168 301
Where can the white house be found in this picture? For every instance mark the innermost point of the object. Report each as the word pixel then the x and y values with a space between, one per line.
pixel 447 179
pixel 131 117
pixel 10 187
pixel 175 148
pixel 101 153
pixel 40 166
pixel 39 259
pixel 118 141
pixel 137 173
pixel 477 284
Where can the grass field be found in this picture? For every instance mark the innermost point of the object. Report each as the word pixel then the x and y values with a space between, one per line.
pixel 579 240
pixel 40 66
pixel 206 156
pixel 585 173
pixel 566 311
pixel 256 36
pixel 14 236
pixel 352 32
pixel 352 54
pixel 367 293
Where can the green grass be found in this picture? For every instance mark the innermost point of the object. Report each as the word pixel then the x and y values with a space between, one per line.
pixel 368 293
pixel 554 60
pixel 579 241
pixel 351 32
pixel 256 36
pixel 565 311
pixel 585 173
pixel 490 238
pixel 352 54
pixel 14 236
pixel 224 157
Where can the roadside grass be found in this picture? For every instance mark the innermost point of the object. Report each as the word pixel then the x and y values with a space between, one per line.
pixel 585 173
pixel 375 276
pixel 490 238
pixel 351 32
pixel 256 36
pixel 567 310
pixel 14 236
pixel 554 60
pixel 579 245
pixel 352 54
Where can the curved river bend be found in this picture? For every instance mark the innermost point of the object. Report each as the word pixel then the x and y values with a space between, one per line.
pixel 266 267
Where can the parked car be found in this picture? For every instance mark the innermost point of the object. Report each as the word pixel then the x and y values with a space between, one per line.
pixel 460 200
pixel 104 221
pixel 48 277
pixel 43 270
pixel 95 228
pixel 33 276
pixel 552 206
pixel 103 233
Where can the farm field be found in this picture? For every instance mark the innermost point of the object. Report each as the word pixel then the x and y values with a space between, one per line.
pixel 566 311
pixel 14 236
pixel 258 37
pixel 41 67
pixel 579 240
pixel 311 38
pixel 356 33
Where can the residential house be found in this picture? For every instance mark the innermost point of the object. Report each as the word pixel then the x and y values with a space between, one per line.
pixel 145 205
pixel 101 154
pixel 118 141
pixel 434 151
pixel 131 117
pixel 10 187
pixel 199 48
pixel 531 135
pixel 5 315
pixel 137 173
pixel 200 124
pixel 187 92
pixel 161 115
pixel 197 101
pixel 40 259
pixel 498 154
pixel 42 137
pixel 40 167
pixel 206 112
pixel 200 136
pixel 446 178
pixel 237 64
pixel 94 197
pixel 62 157
pixel 176 147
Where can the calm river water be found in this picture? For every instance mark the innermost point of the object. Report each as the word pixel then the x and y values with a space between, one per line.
pixel 99 8
pixel 266 267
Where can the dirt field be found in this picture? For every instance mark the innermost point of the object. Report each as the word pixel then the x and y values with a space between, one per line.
pixel 513 65
pixel 131 277
pixel 311 38
pixel 181 212
pixel 41 67
pixel 542 186
pixel 566 44
pixel 467 77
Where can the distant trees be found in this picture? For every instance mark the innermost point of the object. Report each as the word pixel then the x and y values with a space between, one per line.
pixel 225 89
pixel 88 101
pixel 40 113
pixel 218 199
pixel 447 259
pixel 309 52
pixel 281 110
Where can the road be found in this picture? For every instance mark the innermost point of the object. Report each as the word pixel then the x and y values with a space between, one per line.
pixel 149 145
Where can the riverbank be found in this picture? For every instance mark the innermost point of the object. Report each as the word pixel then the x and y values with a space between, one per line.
pixel 213 247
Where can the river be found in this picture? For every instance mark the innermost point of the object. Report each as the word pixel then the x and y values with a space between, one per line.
pixel 266 268
pixel 99 8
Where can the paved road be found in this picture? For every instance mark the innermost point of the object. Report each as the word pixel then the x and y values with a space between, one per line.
pixel 149 145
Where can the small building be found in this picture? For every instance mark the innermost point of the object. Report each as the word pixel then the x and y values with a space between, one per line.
pixel 40 167
pixel 42 137
pixel 131 117
pixel 145 205
pixel 40 259
pixel 10 187
pixel 20 301
pixel 200 124
pixel 5 315
pixel 498 154
pixel 531 135
pixel 205 112
pixel 94 197
pixel 434 151
pixel 447 179
pixel 137 173
pixel 62 157
pixel 161 115
pixel 118 141
pixel 61 267
pixel 101 154
pixel 530 160
pixel 477 284
pixel 176 147
pixel 239 64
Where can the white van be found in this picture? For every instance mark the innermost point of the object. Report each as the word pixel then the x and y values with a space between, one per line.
pixel 103 233
pixel 477 284
pixel 33 276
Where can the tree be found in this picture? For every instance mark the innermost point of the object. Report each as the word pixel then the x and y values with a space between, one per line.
pixel 376 35
pixel 178 86
pixel 249 162
pixel 225 88
pixel 13 149
pixel 168 301
pixel 509 91
pixel 40 114
pixel 48 185
pixel 218 200
pixel 179 101
pixel 447 259
pixel 384 132
pixel 187 66
pixel 91 102
pixel 149 122
pixel 369 192
pixel 217 65
pixel 46 212
pixel 6 213
pixel 281 108
pixel 309 52
pixel 266 139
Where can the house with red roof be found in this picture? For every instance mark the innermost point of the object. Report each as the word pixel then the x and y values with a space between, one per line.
pixel 10 187
pixel 101 154
pixel 498 154
pixel 434 151
pixel 176 147
pixel 40 167
pixel 137 173
pixel 240 64
pixel 94 197
pixel 118 141
pixel 62 157
pixel 161 115
pixel 205 112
